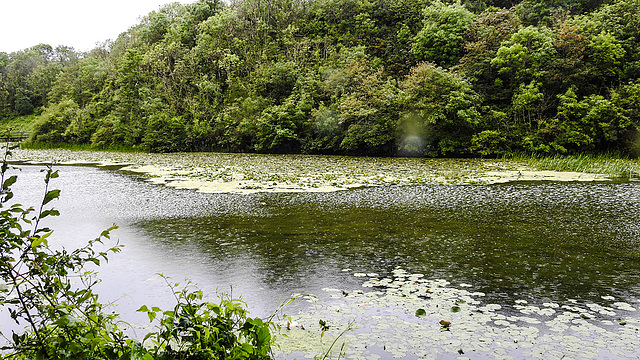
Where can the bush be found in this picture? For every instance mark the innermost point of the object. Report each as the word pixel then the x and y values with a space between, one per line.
pixel 195 329
pixel 490 142
pixel 164 134
pixel 52 125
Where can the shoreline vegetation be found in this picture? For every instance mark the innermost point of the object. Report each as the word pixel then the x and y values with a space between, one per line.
pixel 423 78
pixel 251 173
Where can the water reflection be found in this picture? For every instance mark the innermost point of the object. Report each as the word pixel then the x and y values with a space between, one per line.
pixel 544 240
pixel 523 240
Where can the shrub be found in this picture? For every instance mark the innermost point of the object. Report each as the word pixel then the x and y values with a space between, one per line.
pixel 52 125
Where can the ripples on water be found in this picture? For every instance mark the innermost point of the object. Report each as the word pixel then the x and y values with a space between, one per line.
pixel 521 240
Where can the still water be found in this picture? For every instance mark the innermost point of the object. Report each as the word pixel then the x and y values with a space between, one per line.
pixel 534 241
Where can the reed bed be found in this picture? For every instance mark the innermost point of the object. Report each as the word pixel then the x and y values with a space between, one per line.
pixel 611 165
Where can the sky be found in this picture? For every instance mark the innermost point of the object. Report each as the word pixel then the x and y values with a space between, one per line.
pixel 75 23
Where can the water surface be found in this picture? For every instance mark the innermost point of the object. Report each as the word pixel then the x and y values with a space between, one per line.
pixel 537 241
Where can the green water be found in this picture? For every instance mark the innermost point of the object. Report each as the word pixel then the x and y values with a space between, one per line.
pixel 570 244
pixel 526 240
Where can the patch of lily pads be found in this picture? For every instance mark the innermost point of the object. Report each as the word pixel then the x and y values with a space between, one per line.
pixel 406 316
pixel 250 173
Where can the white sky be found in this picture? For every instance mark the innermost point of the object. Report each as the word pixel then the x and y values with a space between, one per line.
pixel 76 23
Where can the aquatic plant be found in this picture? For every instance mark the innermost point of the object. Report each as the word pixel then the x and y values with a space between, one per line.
pixel 611 165
pixel 406 315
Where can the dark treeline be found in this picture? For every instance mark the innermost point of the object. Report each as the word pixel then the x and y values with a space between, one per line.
pixel 362 77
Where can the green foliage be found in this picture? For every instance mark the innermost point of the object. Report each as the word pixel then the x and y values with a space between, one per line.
pixel 489 29
pixel 196 329
pixel 441 40
pixel 524 56
pixel 63 122
pixel 367 109
pixel 27 76
pixel 440 108
pixel 490 142
pixel 164 133
pixel 582 125
pixel 81 81
pixel 20 124
pixel 105 135
pixel 51 291
pixel 606 52
pixel 277 80
pixel 327 76
pixel 528 105
pixel 549 11
pixel 277 129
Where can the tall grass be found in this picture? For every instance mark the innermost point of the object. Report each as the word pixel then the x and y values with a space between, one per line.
pixel 609 164
pixel 19 125
pixel 79 147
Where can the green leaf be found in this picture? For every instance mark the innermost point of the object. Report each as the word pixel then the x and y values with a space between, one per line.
pixel 455 309
pixel 248 348
pixel 46 213
pixel 51 175
pixel 421 312
pixel 10 181
pixel 67 320
pixel 36 242
pixel 51 195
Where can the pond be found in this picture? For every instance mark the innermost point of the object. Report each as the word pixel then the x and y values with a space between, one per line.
pixel 521 247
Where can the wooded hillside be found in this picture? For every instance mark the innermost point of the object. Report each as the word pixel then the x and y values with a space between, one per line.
pixel 361 77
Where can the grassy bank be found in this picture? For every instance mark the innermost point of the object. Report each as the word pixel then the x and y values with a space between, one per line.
pixel 79 147
pixel 611 165
pixel 19 125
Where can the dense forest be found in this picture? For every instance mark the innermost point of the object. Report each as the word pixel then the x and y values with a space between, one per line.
pixel 356 77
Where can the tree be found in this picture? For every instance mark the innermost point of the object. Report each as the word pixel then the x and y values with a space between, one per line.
pixel 126 99
pixel 51 127
pixel 440 111
pixel 28 76
pixel 621 19
pixel 326 75
pixel 82 81
pixel 441 40
pixel 594 122
pixel 546 12
pixel 164 133
pixel 367 109
pixel 486 33
pixel 605 55
pixel 524 56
